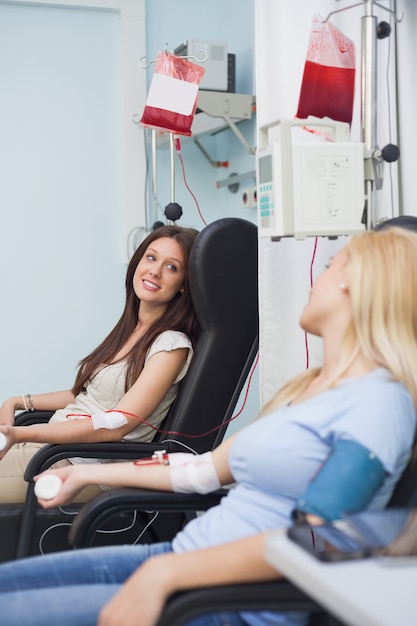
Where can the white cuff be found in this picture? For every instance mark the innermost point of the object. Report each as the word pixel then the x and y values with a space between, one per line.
pixel 110 420
pixel 193 473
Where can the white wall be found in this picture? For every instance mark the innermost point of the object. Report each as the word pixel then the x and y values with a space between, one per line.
pixel 71 181
pixel 282 33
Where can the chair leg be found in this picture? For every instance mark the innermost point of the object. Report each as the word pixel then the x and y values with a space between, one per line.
pixel 27 522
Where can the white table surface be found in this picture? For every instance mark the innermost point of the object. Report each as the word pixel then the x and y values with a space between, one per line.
pixel 367 592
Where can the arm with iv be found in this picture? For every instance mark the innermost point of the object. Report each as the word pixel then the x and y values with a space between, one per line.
pixel 153 473
pixel 140 400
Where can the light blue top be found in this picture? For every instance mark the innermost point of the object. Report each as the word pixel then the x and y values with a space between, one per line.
pixel 274 458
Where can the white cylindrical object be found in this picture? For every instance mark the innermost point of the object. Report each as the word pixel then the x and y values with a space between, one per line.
pixel 3 441
pixel 48 486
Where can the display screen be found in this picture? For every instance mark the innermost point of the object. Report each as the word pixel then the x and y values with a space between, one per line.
pixel 265 169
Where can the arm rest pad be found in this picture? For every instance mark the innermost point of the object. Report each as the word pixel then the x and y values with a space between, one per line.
pixel 272 596
pixel 114 501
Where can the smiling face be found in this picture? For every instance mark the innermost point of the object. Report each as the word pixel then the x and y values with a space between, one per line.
pixel 159 275
pixel 329 303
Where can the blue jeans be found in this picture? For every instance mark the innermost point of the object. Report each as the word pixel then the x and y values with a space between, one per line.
pixel 71 587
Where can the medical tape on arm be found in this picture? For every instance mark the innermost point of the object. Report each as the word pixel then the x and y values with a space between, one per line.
pixel 110 420
pixel 193 473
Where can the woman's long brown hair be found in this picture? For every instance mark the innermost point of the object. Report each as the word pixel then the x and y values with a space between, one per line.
pixel 179 315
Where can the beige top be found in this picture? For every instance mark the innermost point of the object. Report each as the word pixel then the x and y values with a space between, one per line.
pixel 104 391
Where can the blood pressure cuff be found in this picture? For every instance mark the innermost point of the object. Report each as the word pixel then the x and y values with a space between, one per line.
pixel 346 483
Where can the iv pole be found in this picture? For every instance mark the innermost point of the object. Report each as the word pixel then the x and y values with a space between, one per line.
pixel 173 210
pixel 368 104
pixel 374 157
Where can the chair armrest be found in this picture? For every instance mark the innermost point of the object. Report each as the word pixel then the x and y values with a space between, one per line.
pixel 26 418
pixel 118 450
pixel 113 501
pixel 268 596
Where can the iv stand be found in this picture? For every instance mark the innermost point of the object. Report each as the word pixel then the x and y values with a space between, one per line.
pixel 173 210
pixel 374 157
pixel 368 104
pixel 154 175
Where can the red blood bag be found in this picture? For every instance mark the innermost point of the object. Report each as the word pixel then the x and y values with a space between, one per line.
pixel 172 97
pixel 328 84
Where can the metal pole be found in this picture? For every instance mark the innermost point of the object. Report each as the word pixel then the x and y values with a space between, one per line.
pixel 369 103
pixel 171 147
pixel 154 176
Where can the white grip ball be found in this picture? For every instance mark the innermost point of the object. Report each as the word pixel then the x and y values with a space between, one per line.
pixel 48 486
pixel 3 441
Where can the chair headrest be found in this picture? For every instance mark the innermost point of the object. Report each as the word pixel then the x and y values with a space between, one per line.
pixel 224 287
pixel 402 221
pixel 223 271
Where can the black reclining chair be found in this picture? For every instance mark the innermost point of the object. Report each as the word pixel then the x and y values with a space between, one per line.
pixel 224 284
pixel 182 607
pixel 279 596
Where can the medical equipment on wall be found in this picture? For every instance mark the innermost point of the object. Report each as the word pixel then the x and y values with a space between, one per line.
pixel 309 188
pixel 219 66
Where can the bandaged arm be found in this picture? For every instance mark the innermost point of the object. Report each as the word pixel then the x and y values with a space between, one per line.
pixel 346 483
pixel 109 420
pixel 193 473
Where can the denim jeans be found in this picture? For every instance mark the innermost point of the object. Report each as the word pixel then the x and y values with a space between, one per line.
pixel 70 588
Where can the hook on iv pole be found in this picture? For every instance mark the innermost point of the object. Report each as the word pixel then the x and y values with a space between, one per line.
pixel 351 6
pixel 144 65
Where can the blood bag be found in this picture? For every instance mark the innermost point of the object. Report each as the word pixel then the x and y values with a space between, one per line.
pixel 172 97
pixel 328 83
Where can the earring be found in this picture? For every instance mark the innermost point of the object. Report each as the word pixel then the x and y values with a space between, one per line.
pixel 343 286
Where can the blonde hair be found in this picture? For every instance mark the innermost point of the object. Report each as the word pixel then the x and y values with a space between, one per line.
pixel 381 272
